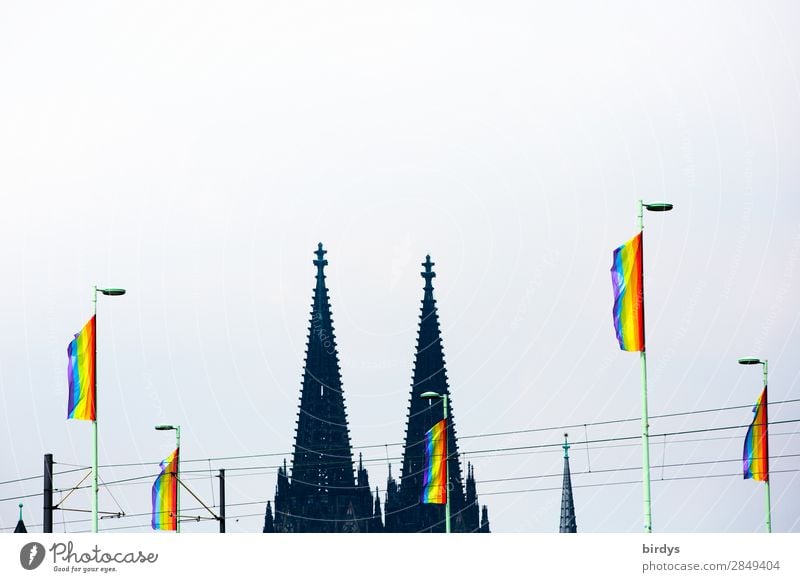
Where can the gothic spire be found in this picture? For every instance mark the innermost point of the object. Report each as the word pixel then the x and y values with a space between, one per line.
pixel 471 510
pixel 567 524
pixel 322 494
pixel 377 519
pixel 430 375
pixel 484 520
pixel 322 459
pixel 269 526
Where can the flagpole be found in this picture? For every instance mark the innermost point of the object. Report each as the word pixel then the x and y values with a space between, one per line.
pixel 95 477
pixel 446 469
pixel 766 432
pixel 648 514
pixel 94 425
pixel 178 479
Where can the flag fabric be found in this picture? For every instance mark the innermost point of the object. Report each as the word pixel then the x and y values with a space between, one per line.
pixel 628 280
pixel 81 374
pixel 165 495
pixel 434 474
pixel 756 444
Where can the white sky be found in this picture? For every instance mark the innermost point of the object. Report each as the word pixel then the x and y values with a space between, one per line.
pixel 195 154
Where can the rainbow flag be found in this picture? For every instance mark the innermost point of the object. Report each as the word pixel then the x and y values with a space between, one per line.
pixel 81 374
pixel 165 495
pixel 756 443
pixel 434 474
pixel 628 281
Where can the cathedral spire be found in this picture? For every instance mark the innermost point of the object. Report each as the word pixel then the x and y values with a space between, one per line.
pixel 567 524
pixel 429 375
pixel 322 494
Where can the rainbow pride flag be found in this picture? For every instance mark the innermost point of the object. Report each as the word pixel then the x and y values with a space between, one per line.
pixel 756 444
pixel 165 495
pixel 81 374
pixel 628 281
pixel 434 474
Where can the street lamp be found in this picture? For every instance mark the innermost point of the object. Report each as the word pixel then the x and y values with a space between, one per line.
pixel 648 512
pixel 443 398
pixel 753 362
pixel 177 430
pixel 112 292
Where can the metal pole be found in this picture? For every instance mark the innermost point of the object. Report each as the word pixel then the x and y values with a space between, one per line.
pixel 766 432
pixel 178 477
pixel 222 501
pixel 47 520
pixel 648 514
pixel 95 521
pixel 447 469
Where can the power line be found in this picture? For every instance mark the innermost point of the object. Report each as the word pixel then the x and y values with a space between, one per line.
pixel 507 492
pixel 687 478
pixel 132 481
pixel 621 420
pixel 466 437
pixel 481 453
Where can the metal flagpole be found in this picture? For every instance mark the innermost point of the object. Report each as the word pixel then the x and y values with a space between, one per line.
pixel 648 515
pixel 95 487
pixel 766 433
pixel 447 469
pixel 94 425
pixel 177 478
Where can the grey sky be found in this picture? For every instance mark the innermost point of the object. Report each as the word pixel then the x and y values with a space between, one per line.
pixel 196 153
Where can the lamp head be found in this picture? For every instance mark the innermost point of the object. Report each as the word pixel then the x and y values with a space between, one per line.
pixel 164 427
pixel 749 361
pixel 114 292
pixel 430 395
pixel 658 206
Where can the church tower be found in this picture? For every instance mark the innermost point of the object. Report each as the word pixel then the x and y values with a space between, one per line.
pixel 404 511
pixel 322 494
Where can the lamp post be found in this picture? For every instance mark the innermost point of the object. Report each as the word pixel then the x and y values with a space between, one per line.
pixel 111 292
pixel 443 398
pixel 752 362
pixel 177 430
pixel 648 513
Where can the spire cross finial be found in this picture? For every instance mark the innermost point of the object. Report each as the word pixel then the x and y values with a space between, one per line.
pixel 565 446
pixel 320 261
pixel 428 273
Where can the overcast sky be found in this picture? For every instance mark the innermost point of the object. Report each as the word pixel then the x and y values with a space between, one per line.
pixel 195 154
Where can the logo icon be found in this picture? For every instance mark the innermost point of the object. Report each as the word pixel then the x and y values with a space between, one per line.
pixel 31 555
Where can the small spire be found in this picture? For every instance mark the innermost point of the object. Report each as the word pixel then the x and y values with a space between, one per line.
pixel 320 261
pixel 390 471
pixel 567 523
pixel 360 462
pixel 269 521
pixel 20 524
